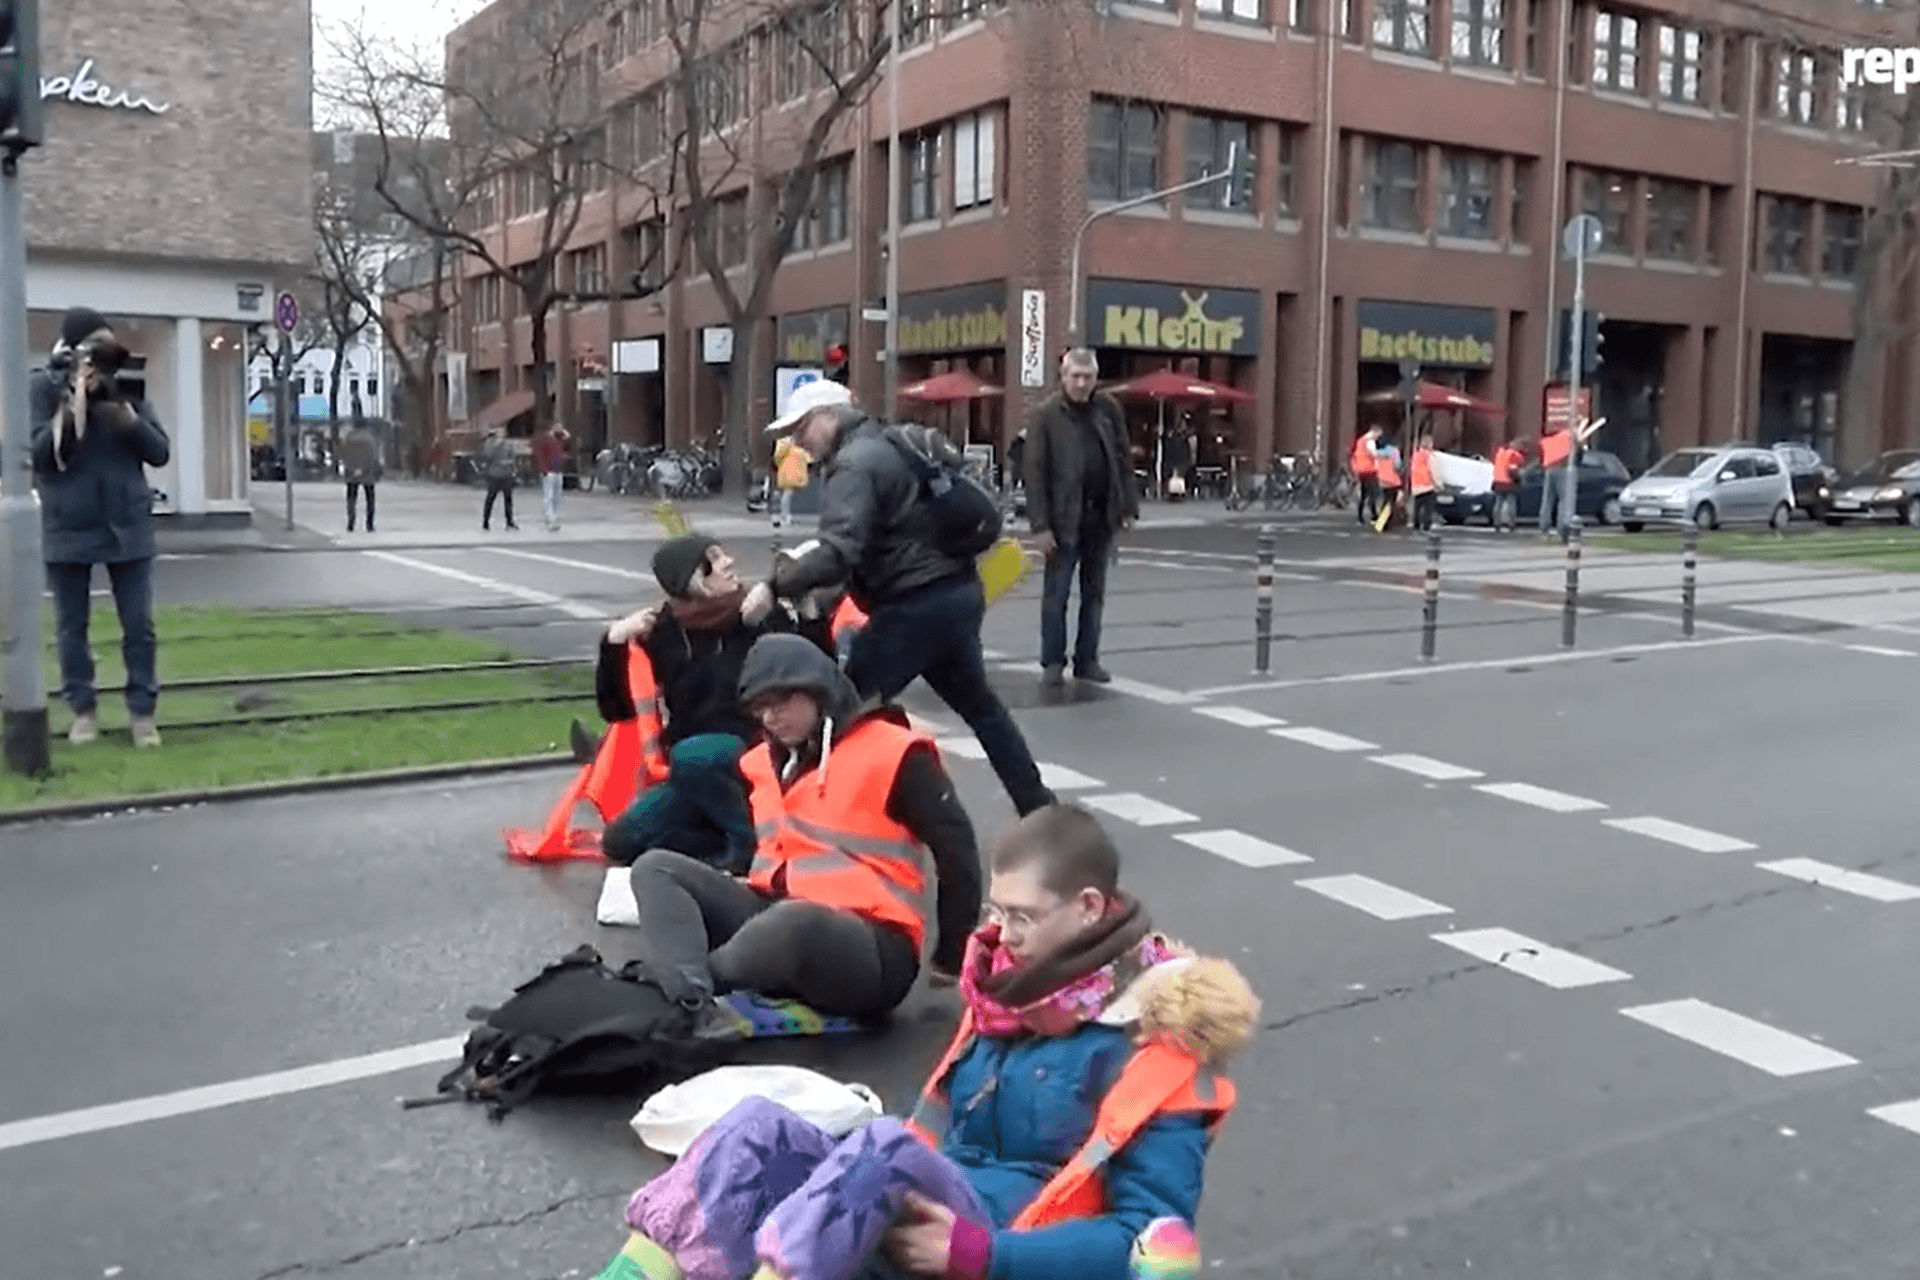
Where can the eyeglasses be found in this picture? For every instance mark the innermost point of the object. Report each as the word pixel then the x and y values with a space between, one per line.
pixel 1019 919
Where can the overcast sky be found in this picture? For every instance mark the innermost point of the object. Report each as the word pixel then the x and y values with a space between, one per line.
pixel 409 22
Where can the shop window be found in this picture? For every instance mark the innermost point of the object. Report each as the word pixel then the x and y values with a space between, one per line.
pixel 1616 51
pixel 1238 10
pixel 1123 149
pixel 1517 206
pixel 1785 248
pixel 1841 256
pixel 1794 80
pixel 973 160
pixel 1608 197
pixel 1682 60
pixel 1733 67
pixel 1480 32
pixel 223 410
pixel 1404 26
pixel 1467 182
pixel 1284 180
pixel 1390 185
pixel 1210 141
pixel 1671 209
pixel 920 177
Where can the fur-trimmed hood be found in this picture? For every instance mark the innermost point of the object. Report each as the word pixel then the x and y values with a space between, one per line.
pixel 1201 1003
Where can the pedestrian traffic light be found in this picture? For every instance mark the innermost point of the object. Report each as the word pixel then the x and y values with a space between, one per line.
pixel 20 123
pixel 1591 338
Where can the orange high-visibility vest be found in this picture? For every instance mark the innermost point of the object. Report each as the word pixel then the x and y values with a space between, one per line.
pixel 1423 470
pixel 1506 461
pixel 828 836
pixel 1160 1079
pixel 848 617
pixel 1389 474
pixel 631 758
pixel 1554 448
pixel 1362 462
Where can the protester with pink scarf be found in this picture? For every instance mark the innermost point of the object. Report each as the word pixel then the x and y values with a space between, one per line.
pixel 1065 988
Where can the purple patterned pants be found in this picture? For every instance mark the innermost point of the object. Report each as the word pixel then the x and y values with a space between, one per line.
pixel 764 1186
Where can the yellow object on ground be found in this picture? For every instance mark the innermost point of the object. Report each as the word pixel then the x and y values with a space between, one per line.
pixel 671 521
pixel 1002 567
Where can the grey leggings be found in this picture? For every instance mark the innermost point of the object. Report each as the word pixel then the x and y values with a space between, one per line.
pixel 702 931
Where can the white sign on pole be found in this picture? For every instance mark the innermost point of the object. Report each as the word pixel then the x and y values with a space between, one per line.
pixel 636 355
pixel 456 386
pixel 716 344
pixel 786 380
pixel 1033 338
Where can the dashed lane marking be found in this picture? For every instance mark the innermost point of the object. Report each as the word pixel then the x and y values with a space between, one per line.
pixel 1057 777
pixel 1776 1052
pixel 1245 717
pixel 1377 898
pixel 545 599
pixel 1540 797
pixel 1142 811
pixel 1878 888
pixel 1880 652
pixel 1427 767
pixel 1325 739
pixel 1681 834
pixel 1517 953
pixel 1904 1114
pixel 1237 846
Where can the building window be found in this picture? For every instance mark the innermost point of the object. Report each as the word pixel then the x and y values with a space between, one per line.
pixel 1480 32
pixel 1733 62
pixel 1682 56
pixel 1849 104
pixel 1404 26
pixel 642 245
pixel 916 22
pixel 373 386
pixel 1123 149
pixel 1671 208
pixel 1210 140
pixel 730 221
pixel 1289 166
pixel 586 269
pixel 1536 15
pixel 973 171
pixel 1793 87
pixel 1238 10
pixel 1616 51
pixel 1517 210
pixel 486 299
pixel 920 177
pixel 1841 258
pixel 1300 14
pixel 1467 181
pixel 1786 246
pixel 1390 185
pixel 1608 197
pixel 1717 203
pixel 830 186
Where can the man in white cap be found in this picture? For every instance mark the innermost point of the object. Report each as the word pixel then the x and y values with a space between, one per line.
pixel 924 604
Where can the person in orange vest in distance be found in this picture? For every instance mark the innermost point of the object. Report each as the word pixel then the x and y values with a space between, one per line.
pixel 1386 457
pixel 1423 487
pixel 1365 468
pixel 848 804
pixel 1078 1016
pixel 1508 459
pixel 1554 447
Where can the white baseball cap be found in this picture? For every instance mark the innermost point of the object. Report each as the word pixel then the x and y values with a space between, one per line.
pixel 810 397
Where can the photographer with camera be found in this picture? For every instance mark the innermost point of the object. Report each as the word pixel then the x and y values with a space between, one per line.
pixel 93 435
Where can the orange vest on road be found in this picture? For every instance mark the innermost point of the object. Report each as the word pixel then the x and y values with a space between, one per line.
pixel 1388 473
pixel 1423 471
pixel 1159 1079
pixel 1506 464
pixel 828 836
pixel 631 758
pixel 1362 462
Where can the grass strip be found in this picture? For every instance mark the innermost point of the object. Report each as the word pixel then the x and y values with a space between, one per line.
pixel 1888 549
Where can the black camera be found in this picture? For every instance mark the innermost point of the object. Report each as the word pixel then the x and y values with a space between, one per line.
pixel 128 371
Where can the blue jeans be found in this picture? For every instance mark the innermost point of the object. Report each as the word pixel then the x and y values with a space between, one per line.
pixel 1552 481
pixel 132 582
pixel 935 633
pixel 1091 557
pixel 700 810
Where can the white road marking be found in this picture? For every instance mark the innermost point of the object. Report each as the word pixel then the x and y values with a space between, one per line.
pixel 993 655
pixel 1136 562
pixel 1904 1114
pixel 1773 1051
pixel 1376 898
pixel 1517 953
pixel 1878 888
pixel 528 594
pixel 1325 739
pixel 965 748
pixel 588 565
pixel 1540 797
pixel 1057 777
pixel 1142 811
pixel 1884 653
pixel 120 1115
pixel 1428 767
pixel 1152 692
pixel 1681 834
pixel 1486 664
pixel 1238 846
pixel 1245 717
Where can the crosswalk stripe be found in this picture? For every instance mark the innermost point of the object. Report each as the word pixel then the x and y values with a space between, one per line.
pixel 965 748
pixel 1142 811
pixel 1540 797
pixel 1776 1052
pixel 1237 846
pixel 1325 739
pixel 1245 717
pixel 1428 767
pixel 1904 1114
pixel 1517 953
pixel 1057 777
pixel 1681 834
pixel 1377 898
pixel 1878 888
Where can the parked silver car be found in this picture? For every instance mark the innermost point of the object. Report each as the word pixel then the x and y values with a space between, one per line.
pixel 1715 485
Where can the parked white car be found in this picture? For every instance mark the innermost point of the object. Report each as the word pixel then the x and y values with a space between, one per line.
pixel 1716 486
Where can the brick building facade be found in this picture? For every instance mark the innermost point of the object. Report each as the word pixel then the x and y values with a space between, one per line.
pixel 1415 160
pixel 174 194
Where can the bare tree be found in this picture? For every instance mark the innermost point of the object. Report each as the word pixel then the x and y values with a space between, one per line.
pixel 345 268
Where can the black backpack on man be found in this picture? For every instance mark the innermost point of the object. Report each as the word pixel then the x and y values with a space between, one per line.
pixel 966 517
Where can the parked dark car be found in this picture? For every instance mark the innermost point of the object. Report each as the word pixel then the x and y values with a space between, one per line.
pixel 1886 488
pixel 1814 482
pixel 1599 478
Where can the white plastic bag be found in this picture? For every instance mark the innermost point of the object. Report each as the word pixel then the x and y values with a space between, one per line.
pixel 616 898
pixel 680 1113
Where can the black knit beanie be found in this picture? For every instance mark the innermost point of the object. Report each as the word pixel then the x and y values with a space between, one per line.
pixel 676 562
pixel 81 323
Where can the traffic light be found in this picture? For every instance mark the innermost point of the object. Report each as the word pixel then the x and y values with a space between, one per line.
pixel 1240 161
pixel 1590 341
pixel 836 370
pixel 20 123
pixel 1409 381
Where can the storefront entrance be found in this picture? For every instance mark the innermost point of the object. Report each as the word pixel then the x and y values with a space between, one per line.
pixel 1628 391
pixel 1454 347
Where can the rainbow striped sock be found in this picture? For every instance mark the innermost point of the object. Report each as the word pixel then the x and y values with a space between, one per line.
pixel 642 1259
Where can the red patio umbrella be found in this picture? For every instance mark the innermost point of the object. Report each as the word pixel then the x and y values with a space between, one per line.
pixel 949 388
pixel 1432 395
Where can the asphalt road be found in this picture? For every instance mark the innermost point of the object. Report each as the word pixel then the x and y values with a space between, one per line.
pixel 1555 999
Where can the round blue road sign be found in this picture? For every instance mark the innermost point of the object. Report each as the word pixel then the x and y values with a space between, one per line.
pixel 286 312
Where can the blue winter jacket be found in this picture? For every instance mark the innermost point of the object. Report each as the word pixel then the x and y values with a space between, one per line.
pixel 1021 1107
pixel 98 508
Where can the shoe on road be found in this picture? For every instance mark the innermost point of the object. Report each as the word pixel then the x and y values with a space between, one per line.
pixel 1095 674
pixel 1053 677
pixel 144 732
pixel 85 729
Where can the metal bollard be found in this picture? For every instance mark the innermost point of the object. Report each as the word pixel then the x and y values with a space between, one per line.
pixel 1430 609
pixel 1263 608
pixel 1569 613
pixel 1689 562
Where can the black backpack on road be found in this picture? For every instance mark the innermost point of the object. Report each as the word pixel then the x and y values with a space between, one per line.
pixel 966 517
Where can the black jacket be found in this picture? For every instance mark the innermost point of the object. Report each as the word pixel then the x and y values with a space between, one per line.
pixel 874 532
pixel 698 673
pixel 97 508
pixel 1055 465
